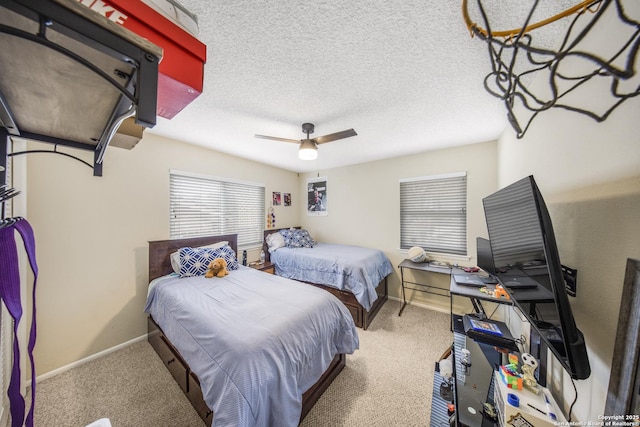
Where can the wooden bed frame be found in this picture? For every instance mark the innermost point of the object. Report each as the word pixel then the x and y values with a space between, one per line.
pixel 160 265
pixel 361 317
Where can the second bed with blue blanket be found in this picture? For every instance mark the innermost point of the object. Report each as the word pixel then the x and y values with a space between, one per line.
pixel 355 274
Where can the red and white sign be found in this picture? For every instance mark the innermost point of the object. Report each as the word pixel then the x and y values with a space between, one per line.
pixel 105 10
pixel 181 71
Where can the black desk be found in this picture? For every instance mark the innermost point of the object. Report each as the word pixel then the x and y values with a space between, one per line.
pixel 474 294
pixel 423 287
pixel 533 295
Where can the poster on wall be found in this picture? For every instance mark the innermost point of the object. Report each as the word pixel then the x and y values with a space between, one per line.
pixel 276 200
pixel 317 196
pixel 287 199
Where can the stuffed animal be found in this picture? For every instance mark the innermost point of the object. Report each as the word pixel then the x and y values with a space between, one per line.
pixel 217 267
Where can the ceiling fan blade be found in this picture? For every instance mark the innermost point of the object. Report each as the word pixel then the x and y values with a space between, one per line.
pixel 275 138
pixel 335 136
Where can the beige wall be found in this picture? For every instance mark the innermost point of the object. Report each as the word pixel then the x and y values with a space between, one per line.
pixel 92 234
pixel 364 200
pixel 588 173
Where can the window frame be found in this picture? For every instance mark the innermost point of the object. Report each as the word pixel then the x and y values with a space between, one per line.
pixel 214 219
pixel 421 228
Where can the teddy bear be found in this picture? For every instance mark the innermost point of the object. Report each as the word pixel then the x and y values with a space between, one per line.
pixel 217 267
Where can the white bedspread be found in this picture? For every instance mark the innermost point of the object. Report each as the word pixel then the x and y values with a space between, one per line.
pixel 355 269
pixel 256 341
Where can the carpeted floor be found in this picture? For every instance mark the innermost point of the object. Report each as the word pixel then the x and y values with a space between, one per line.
pixel 387 382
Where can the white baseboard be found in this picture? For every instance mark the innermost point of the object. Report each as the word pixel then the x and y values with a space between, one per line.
pixel 87 359
pixel 422 305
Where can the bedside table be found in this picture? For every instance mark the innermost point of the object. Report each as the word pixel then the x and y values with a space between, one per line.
pixel 267 267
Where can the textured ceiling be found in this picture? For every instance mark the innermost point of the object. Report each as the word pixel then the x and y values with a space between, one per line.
pixel 406 76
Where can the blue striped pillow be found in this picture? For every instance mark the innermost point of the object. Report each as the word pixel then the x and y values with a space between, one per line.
pixel 195 261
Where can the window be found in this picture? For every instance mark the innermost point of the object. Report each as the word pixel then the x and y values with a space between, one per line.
pixel 433 213
pixel 206 206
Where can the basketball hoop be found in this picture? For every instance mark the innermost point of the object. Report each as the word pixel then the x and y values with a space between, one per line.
pixel 474 28
pixel 516 60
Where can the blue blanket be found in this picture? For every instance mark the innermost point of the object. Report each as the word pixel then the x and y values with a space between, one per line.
pixel 256 341
pixel 352 268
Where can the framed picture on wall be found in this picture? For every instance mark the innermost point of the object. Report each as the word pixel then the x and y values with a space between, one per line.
pixel 317 196
pixel 287 199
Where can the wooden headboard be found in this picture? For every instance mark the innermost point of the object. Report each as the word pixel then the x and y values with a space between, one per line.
pixel 160 250
pixel 265 247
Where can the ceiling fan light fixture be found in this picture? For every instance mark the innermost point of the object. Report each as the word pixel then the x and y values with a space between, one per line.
pixel 308 150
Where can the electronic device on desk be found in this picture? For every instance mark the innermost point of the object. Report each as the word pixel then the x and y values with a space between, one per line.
pixel 488 331
pixel 524 249
pixel 469 280
pixel 484 258
pixel 488 279
pixel 486 263
pixel 518 282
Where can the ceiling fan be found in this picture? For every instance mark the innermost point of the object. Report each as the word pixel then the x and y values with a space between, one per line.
pixel 309 147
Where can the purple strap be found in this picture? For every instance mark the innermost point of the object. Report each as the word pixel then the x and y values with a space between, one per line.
pixel 10 294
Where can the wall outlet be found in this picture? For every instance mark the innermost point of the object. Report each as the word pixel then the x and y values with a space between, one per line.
pixel 570 280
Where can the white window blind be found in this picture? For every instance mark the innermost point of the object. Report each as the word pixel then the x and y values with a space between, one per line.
pixel 207 206
pixel 433 213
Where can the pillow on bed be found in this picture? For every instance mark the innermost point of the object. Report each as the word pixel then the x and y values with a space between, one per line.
pixel 287 233
pixel 175 257
pixel 299 239
pixel 229 255
pixel 195 261
pixel 274 241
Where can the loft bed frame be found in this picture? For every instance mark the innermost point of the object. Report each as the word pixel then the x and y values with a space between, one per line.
pixel 361 317
pixel 160 265
pixel 114 78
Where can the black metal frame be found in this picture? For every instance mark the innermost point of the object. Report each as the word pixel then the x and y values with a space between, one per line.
pixel 504 83
pixel 139 94
pixel 4 143
pixel 421 287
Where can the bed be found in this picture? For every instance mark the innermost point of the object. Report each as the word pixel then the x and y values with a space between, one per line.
pixel 272 366
pixel 357 276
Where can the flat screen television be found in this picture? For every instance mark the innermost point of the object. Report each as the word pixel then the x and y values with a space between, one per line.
pixel 524 249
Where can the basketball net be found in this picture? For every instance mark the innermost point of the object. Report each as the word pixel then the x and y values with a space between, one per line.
pixel 605 79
